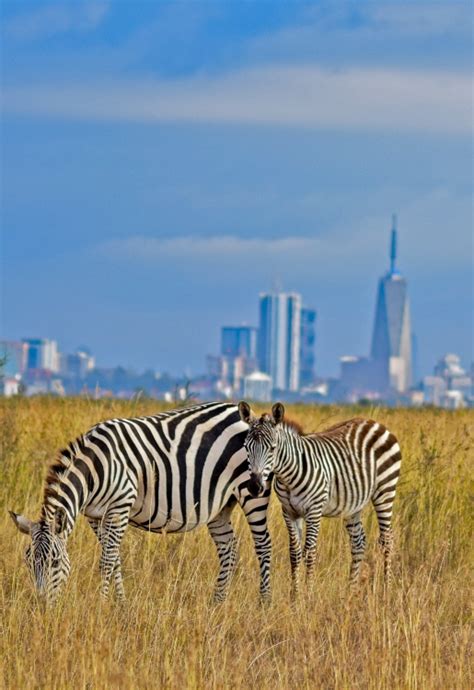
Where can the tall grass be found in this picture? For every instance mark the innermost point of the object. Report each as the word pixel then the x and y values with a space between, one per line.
pixel 168 634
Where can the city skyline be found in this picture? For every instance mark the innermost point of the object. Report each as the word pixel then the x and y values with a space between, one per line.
pixel 277 358
pixel 156 176
pixel 391 339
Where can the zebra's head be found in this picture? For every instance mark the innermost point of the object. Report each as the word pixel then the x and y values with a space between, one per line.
pixel 46 556
pixel 260 444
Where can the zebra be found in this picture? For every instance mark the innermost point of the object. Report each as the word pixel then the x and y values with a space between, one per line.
pixel 331 473
pixel 165 473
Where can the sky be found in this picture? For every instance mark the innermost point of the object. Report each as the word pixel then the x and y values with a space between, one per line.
pixel 163 163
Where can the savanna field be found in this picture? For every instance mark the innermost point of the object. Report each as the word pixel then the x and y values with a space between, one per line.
pixel 169 635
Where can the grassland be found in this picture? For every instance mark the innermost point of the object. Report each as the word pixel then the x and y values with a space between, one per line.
pixel 168 634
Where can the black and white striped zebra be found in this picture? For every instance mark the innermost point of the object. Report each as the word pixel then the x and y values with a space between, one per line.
pixel 169 472
pixel 332 473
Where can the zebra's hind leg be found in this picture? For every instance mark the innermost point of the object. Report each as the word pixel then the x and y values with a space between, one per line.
pixel 224 538
pixel 295 528
pixel 356 533
pixel 383 504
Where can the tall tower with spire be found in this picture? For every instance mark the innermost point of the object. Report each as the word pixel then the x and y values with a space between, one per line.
pixel 391 341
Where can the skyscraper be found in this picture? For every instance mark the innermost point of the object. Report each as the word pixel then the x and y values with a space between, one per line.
pixel 42 354
pixel 308 341
pixel 279 338
pixel 239 341
pixel 391 341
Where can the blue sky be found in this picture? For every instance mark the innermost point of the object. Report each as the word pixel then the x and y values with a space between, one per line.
pixel 163 163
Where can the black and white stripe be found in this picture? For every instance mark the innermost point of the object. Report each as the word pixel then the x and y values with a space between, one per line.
pixel 332 473
pixel 169 472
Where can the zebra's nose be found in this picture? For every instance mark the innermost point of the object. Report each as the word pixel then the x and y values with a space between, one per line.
pixel 255 484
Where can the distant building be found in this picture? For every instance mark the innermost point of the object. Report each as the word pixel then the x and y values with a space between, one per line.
pixel 228 373
pixel 449 368
pixel 239 341
pixel 391 342
pixel 14 354
pixel 280 338
pixel 307 346
pixel 42 354
pixel 356 374
pixel 450 386
pixel 10 385
pixel 77 365
pixel 258 386
pixel 434 388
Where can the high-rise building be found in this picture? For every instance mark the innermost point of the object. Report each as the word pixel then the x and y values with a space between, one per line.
pixel 307 345
pixel 239 341
pixel 391 341
pixel 42 354
pixel 279 338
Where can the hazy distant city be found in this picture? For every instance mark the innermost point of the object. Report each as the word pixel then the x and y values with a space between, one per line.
pixel 276 359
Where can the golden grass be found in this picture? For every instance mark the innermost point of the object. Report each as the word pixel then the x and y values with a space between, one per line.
pixel 168 634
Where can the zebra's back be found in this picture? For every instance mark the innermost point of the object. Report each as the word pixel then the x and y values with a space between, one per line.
pixel 184 465
pixel 362 461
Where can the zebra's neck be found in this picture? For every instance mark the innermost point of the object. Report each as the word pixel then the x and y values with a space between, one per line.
pixel 66 488
pixel 290 452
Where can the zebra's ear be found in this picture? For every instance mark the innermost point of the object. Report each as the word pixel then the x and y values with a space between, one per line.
pixel 22 522
pixel 245 412
pixel 60 521
pixel 278 412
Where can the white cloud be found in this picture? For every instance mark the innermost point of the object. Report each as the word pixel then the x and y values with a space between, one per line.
pixel 227 256
pixel 56 19
pixel 430 19
pixel 303 96
pixel 211 247
pixel 372 33
pixel 433 238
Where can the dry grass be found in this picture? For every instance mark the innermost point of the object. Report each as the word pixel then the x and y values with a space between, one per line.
pixel 169 635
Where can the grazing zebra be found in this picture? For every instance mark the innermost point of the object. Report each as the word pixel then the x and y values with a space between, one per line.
pixel 332 473
pixel 170 472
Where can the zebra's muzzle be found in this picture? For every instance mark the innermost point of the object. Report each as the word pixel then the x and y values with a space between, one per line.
pixel 255 485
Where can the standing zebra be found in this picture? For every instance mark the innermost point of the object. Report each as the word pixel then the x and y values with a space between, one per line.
pixel 169 472
pixel 332 473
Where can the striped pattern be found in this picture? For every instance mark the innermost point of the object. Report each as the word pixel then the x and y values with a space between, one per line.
pixel 328 474
pixel 170 472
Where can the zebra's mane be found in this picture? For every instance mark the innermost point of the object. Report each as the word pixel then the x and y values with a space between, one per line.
pixel 341 428
pixel 294 426
pixel 55 471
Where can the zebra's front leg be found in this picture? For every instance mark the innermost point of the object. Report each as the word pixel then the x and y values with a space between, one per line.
pixel 294 528
pixel 255 510
pixel 356 533
pixel 96 525
pixel 224 538
pixel 112 529
pixel 313 524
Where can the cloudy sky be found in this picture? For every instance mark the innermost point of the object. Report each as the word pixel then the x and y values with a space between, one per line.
pixel 164 162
